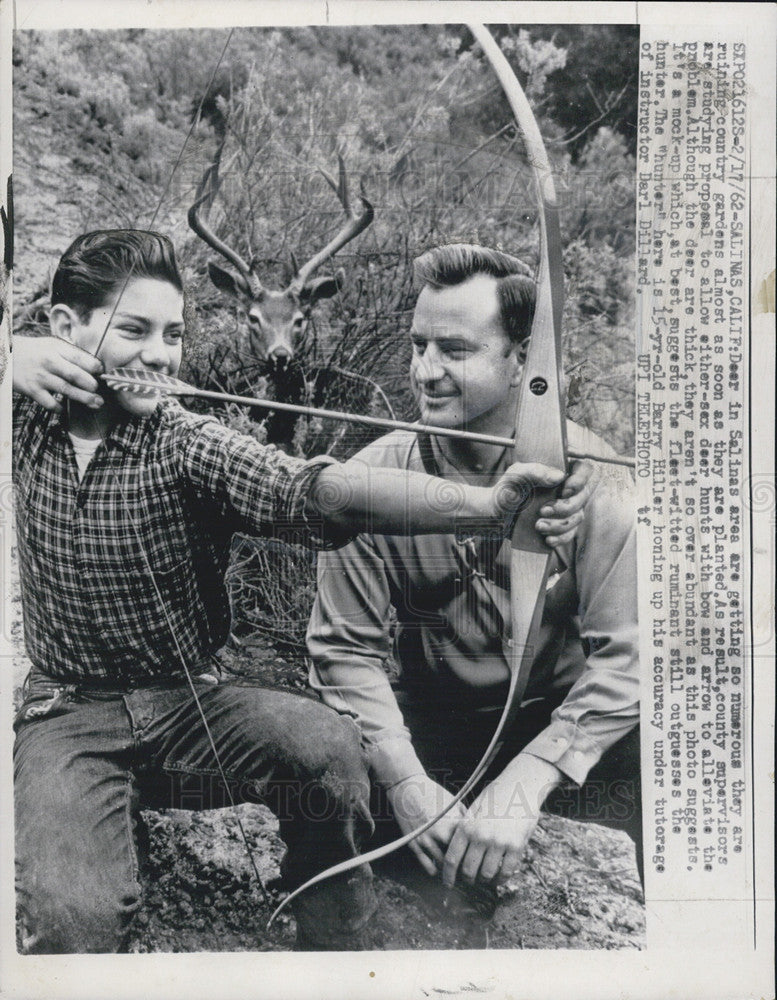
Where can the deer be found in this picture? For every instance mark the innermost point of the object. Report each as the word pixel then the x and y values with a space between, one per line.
pixel 277 317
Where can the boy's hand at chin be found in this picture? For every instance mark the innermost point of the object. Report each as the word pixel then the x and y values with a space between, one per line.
pixel 48 368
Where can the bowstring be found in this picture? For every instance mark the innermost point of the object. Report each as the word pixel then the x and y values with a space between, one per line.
pixel 128 510
pixel 187 672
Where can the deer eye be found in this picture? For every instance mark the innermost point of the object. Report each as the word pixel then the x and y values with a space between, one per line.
pixel 297 322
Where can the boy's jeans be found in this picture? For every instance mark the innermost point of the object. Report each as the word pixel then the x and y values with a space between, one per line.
pixel 86 761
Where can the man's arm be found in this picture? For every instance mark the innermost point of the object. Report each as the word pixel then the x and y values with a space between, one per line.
pixel 602 705
pixel 348 634
pixel 489 840
pixel 348 642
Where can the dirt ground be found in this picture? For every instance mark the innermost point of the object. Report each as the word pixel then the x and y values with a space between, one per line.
pixel 578 885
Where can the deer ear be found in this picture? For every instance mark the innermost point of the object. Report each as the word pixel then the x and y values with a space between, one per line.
pixel 236 287
pixel 322 288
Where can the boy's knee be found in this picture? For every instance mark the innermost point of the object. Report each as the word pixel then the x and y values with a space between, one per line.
pixel 337 751
pixel 342 740
pixel 335 764
pixel 54 922
pixel 305 756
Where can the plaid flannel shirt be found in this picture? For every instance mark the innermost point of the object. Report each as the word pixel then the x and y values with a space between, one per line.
pixel 123 567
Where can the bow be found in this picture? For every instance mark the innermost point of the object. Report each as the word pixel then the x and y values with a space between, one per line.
pixel 540 428
pixel 540 436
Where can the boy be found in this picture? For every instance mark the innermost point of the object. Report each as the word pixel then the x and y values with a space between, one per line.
pixel 125 510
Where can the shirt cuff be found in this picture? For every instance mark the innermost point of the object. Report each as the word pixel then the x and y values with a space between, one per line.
pixel 318 534
pixel 566 746
pixel 393 760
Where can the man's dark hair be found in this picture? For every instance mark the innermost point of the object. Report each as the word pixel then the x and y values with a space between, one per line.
pixel 98 263
pixel 453 263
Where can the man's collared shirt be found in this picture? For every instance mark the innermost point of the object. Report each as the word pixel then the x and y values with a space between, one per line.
pixel 452 603
pixel 123 570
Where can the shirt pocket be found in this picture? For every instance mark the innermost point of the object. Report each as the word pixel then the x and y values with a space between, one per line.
pixel 166 554
pixel 161 594
pixel 163 565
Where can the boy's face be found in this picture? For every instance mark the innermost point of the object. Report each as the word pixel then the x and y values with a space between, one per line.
pixel 146 331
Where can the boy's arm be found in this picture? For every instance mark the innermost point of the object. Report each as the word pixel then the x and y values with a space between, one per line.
pixel 349 498
pixel 357 497
pixel 45 367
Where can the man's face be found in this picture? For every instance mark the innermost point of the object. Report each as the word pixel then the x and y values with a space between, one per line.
pixel 464 369
pixel 146 331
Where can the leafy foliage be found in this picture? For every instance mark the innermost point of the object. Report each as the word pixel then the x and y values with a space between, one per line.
pixel 595 83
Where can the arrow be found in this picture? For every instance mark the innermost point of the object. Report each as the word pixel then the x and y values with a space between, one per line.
pixel 147 383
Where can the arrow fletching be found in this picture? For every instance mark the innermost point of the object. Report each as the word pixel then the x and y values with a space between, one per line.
pixel 143 382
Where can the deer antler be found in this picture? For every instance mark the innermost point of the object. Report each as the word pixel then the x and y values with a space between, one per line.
pixel 206 192
pixel 354 224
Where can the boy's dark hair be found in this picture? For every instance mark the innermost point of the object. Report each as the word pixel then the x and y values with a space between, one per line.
pixel 453 263
pixel 96 264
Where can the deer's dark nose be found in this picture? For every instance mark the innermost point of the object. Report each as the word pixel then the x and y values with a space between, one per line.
pixel 280 355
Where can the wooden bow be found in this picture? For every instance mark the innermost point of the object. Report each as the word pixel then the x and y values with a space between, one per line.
pixel 540 436
pixel 540 427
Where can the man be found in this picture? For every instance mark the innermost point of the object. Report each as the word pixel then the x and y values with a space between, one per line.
pixel 125 510
pixel 574 746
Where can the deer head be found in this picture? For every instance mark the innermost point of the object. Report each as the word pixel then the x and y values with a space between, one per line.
pixel 276 317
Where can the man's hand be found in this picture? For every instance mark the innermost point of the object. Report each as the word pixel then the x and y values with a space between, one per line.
pixel 517 485
pixel 560 518
pixel 416 800
pixel 489 840
pixel 45 366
